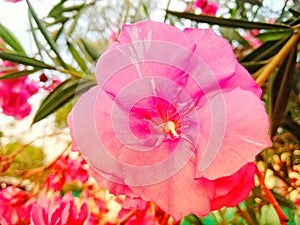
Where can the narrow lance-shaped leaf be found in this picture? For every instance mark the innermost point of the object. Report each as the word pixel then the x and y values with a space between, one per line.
pixel 45 35
pixel 292 126
pixel 76 55
pixel 264 52
pixel 280 90
pixel 61 10
pixel 17 74
pixel 10 39
pixel 57 33
pixel 62 94
pixel 33 32
pixel 190 220
pixel 21 59
pixel 229 22
pixel 232 34
pixel 90 50
pixel 254 66
pixel 294 12
pixel 56 9
pixel 274 35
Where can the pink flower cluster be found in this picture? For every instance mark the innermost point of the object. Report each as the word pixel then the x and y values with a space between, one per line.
pixel 252 39
pixel 66 170
pixel 13 1
pixel 207 8
pixel 58 210
pixel 16 207
pixel 14 93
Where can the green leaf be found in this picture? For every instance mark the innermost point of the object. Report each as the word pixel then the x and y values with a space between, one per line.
pixel 59 9
pixel 62 94
pixel 58 20
pixel 25 60
pixel 10 39
pixel 229 22
pixel 190 220
pixel 73 24
pixel 33 32
pixel 279 90
pixel 55 35
pixel 291 126
pixel 56 9
pixel 269 215
pixel 80 61
pixel 42 29
pixel 295 13
pixel 90 50
pixel 17 74
pixel 274 35
pixel 29 158
pixel 232 34
pixel 253 66
pixel 265 51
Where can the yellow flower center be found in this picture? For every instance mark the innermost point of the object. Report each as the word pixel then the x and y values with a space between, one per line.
pixel 170 128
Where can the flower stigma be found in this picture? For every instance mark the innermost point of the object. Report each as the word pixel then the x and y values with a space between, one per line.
pixel 170 128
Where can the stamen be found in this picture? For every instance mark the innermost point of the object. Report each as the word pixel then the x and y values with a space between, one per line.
pixel 171 128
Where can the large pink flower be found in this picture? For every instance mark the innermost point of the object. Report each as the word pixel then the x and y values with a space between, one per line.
pixel 175 120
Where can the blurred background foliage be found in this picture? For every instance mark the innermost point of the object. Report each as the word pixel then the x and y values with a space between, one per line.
pixel 71 37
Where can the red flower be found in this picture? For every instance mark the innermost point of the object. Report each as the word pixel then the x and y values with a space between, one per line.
pixel 58 211
pixel 207 8
pixel 13 209
pixel 66 170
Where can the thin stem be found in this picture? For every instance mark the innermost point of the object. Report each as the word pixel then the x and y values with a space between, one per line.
pixel 282 217
pixel 128 216
pixel 166 15
pixel 224 221
pixel 165 219
pixel 245 215
pixel 269 68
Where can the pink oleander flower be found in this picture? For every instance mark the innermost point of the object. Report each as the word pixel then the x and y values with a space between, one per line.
pixel 58 211
pixel 66 170
pixel 145 217
pixel 251 39
pixel 50 85
pixel 14 93
pixel 13 209
pixel 207 8
pixel 13 1
pixel 210 9
pixel 200 3
pixel 113 37
pixel 177 121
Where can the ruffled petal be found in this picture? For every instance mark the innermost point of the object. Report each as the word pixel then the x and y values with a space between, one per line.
pixel 215 51
pixel 233 189
pixel 230 134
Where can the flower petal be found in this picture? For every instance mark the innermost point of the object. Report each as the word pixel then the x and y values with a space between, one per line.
pixel 235 188
pixel 241 139
pixel 215 51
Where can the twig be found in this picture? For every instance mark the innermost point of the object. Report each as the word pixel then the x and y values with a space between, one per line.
pixel 128 216
pixel 282 217
pixel 245 215
pixel 165 219
pixel 269 68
